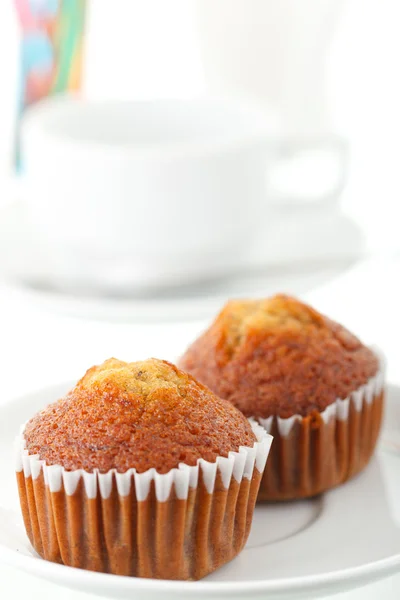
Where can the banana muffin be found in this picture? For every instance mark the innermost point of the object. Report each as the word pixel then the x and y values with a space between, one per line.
pixel 137 471
pixel 307 379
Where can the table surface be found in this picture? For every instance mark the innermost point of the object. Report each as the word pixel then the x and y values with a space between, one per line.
pixel 39 348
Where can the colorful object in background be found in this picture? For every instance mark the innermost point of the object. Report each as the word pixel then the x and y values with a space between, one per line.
pixel 51 49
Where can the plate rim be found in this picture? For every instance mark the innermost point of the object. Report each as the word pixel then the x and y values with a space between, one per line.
pixel 367 572
pixel 372 571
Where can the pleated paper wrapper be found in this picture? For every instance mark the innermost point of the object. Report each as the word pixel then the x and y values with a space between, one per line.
pixel 180 525
pixel 318 452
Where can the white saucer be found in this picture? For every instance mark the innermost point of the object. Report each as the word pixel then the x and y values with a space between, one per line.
pixel 342 540
pixel 27 271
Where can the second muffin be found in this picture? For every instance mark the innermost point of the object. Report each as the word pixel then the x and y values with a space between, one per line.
pixel 314 386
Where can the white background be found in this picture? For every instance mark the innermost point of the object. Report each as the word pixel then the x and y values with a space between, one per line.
pixel 142 49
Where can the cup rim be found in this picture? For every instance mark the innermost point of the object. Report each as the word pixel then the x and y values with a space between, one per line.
pixel 246 126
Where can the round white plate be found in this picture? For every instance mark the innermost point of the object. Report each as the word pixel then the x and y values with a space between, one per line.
pixel 342 540
pixel 27 270
pixel 390 439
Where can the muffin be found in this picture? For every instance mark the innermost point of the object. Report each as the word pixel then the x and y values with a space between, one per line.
pixel 140 470
pixel 311 383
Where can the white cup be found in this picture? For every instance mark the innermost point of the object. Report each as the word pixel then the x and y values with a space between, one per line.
pixel 141 194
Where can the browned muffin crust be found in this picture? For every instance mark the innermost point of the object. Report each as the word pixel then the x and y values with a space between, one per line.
pixel 278 356
pixel 136 415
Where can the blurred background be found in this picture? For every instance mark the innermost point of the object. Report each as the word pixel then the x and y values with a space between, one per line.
pixel 158 158
pixel 87 236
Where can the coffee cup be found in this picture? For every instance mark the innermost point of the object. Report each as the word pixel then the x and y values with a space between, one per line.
pixel 141 194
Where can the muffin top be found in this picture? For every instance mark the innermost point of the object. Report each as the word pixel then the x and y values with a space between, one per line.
pixel 143 415
pixel 278 356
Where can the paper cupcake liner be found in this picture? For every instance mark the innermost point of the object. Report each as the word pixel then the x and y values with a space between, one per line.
pixel 180 525
pixel 315 453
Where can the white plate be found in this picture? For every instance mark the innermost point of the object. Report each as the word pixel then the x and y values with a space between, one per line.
pixel 27 270
pixel 339 541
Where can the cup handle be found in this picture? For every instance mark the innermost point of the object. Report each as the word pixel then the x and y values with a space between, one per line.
pixel 308 173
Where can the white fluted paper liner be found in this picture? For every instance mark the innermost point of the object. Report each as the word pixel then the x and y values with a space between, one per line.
pixel 239 465
pixel 340 408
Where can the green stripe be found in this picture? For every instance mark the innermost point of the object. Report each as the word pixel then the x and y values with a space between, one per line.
pixel 70 33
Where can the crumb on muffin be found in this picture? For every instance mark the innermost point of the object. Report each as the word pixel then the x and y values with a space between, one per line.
pixel 278 356
pixel 138 415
